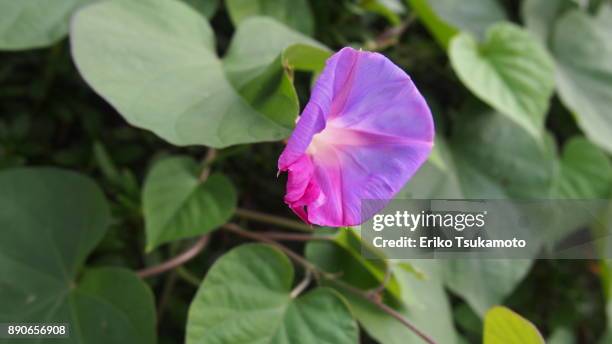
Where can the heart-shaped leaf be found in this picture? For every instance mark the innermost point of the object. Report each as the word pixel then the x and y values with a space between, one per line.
pixel 34 23
pixel 155 62
pixel 503 326
pixel 51 220
pixel 583 51
pixel 245 298
pixel 510 71
pixel 488 156
pixel 178 205
pixel 294 13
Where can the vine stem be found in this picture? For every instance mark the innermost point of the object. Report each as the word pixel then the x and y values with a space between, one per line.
pixel 381 287
pixel 303 285
pixel 210 156
pixel 373 298
pixel 176 261
pixel 234 228
pixel 273 220
pixel 391 36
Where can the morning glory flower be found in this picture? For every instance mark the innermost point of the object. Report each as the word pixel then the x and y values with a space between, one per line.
pixel 364 133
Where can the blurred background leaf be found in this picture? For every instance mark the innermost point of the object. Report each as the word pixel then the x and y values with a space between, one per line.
pixel 294 13
pixel 35 23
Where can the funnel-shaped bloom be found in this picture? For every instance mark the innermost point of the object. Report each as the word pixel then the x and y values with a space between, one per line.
pixel 363 134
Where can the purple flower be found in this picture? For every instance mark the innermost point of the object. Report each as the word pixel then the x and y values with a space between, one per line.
pixel 364 133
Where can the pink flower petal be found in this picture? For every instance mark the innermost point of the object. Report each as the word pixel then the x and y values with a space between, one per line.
pixel 364 133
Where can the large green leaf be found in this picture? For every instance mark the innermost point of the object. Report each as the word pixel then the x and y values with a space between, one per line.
pixel 445 18
pixel 488 156
pixel 27 24
pixel 294 13
pixel 496 158
pixel 178 205
pixel 51 220
pixel 585 172
pixel 255 68
pixel 245 298
pixel 155 62
pixel 583 50
pixel 124 303
pixel 503 326
pixel 510 71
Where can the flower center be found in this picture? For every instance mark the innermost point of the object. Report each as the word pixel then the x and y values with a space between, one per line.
pixel 322 145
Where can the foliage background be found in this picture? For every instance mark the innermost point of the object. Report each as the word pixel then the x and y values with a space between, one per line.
pixel 521 92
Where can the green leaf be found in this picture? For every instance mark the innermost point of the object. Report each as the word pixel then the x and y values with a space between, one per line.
pixel 130 299
pixel 503 326
pixel 178 205
pixel 510 71
pixel 496 158
pixel 28 24
pixel 585 172
pixel 484 282
pixel 583 51
pixel 51 220
pixel 488 156
pixel 439 28
pixel 155 62
pixel 294 13
pixel 245 298
pixel 445 18
pixel 259 73
pixel 205 7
